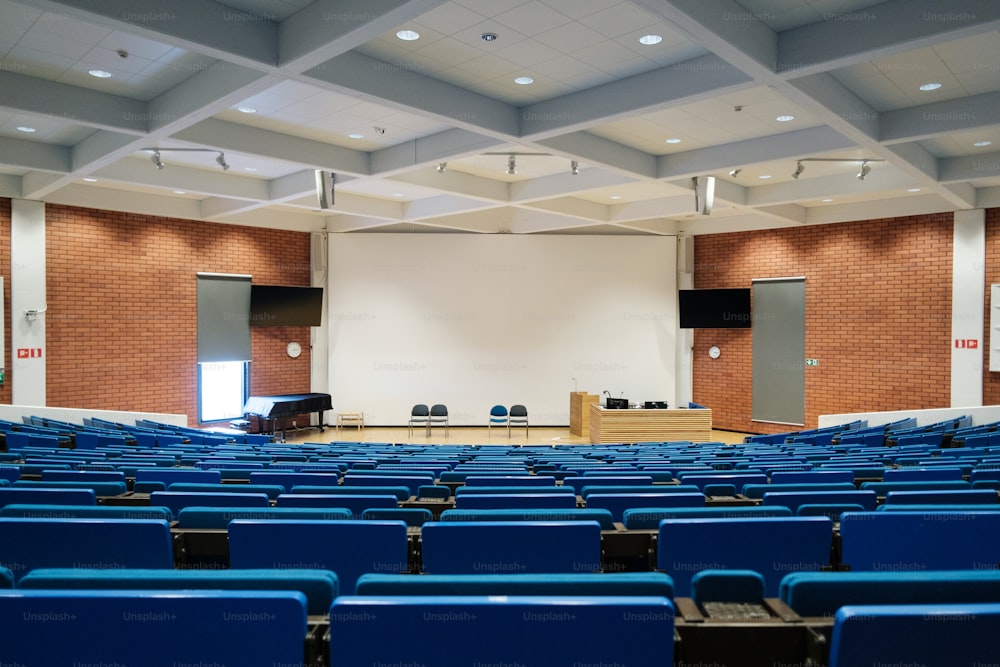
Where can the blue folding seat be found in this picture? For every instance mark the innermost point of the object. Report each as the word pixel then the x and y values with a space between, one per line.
pixel 153 628
pixel 771 546
pixel 21 495
pixel 959 497
pixel 220 517
pixel 602 583
pixel 355 503
pixel 511 547
pixel 887 541
pixel 795 499
pixel 178 500
pixel 515 500
pixel 649 518
pixel 575 630
pixel 603 517
pixel 617 503
pixel 349 548
pixel 931 635
pixel 27 544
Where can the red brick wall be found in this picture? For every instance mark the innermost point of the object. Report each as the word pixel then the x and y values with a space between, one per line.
pixel 878 316
pixel 5 360
pixel 991 380
pixel 122 307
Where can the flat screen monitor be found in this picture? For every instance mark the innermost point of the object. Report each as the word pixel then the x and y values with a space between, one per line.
pixel 283 306
pixel 714 308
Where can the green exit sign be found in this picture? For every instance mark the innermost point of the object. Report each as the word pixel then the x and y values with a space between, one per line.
pixel 812 362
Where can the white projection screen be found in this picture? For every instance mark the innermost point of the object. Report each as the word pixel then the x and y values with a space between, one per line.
pixel 473 320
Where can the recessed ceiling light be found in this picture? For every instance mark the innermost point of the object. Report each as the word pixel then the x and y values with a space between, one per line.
pixel 249 168
pixel 180 192
pixel 489 37
pixel 980 144
pixel 826 200
pixel 524 80
pixel 356 135
pixel 649 40
pixel 616 196
pixel 408 35
pixel 398 194
pixel 933 85
pixel 913 189
pixel 764 176
pixel 673 140
pixel 246 109
pixel 100 73
pixel 26 129
pixel 90 179
pixel 785 118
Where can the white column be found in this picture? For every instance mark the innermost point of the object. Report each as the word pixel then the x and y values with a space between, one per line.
pixel 684 358
pixel 27 302
pixel 968 293
pixel 319 369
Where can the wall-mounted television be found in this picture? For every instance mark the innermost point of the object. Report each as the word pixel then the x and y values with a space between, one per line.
pixel 284 306
pixel 714 308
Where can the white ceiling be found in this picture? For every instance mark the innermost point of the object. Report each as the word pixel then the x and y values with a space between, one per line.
pixel 419 133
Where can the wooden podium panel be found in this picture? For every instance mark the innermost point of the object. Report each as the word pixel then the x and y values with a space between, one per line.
pixel 579 412
pixel 640 425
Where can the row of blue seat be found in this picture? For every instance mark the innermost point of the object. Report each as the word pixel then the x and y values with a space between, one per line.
pixel 268 628
pixel 773 546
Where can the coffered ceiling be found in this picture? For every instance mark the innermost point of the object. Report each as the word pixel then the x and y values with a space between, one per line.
pixel 628 102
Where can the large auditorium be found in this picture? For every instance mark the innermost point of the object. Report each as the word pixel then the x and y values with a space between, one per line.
pixel 499 333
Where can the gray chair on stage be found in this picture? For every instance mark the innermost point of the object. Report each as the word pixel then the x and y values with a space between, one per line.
pixel 439 417
pixel 420 415
pixel 518 417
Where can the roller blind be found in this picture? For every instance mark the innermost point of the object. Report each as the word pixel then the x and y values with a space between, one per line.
pixel 223 317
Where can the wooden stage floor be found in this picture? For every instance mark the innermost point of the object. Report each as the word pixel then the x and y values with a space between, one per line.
pixel 462 435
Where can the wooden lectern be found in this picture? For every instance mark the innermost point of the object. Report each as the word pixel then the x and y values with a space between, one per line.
pixel 579 412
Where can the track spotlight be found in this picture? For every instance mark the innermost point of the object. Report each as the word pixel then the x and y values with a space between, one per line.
pixel 511 165
pixel 574 168
pixel 799 168
pixel 221 160
pixel 442 167
pixel 155 157
pixel 735 172
pixel 865 169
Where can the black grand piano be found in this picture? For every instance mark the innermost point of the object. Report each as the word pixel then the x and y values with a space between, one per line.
pixel 273 409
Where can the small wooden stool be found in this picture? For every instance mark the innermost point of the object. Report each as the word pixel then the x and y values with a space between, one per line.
pixel 351 419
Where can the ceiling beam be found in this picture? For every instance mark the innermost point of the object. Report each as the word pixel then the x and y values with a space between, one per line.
pixel 937 118
pixel 433 149
pixel 202 26
pixel 790 145
pixel 592 149
pixel 26 94
pixel 362 76
pixel 324 29
pixel 879 31
pixel 676 84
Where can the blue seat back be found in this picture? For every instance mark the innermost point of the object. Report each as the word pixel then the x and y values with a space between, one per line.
pixel 413 516
pixel 510 480
pixel 484 501
pixel 514 547
pixel 22 495
pixel 617 503
pixel 737 478
pixel 959 497
pixel 170 476
pixel 83 476
pixel 355 504
pixel 290 480
pixel 649 518
pixel 154 628
pixel 28 511
pixel 895 541
pixel 491 625
pixel 465 490
pixel 935 635
pixel 757 491
pixel 603 517
pixel 770 546
pixel 823 593
pixel 28 544
pixel 411 482
pixel 795 499
pixel 581 481
pixel 607 583
pixel 219 517
pixel 349 548
pixel 178 500
pixel 319 586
